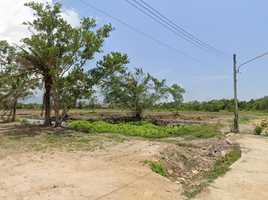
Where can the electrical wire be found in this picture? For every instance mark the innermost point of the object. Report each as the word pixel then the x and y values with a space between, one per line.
pixel 189 35
pixel 154 38
pixel 200 45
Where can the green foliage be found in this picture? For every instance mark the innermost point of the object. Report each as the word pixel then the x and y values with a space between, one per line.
pixel 219 105
pixel 177 94
pixel 264 123
pixel 258 130
pixel 222 165
pixel 15 81
pixel 24 122
pixel 192 193
pixel 244 120
pixel 58 52
pixel 147 129
pixel 158 168
pixel 133 91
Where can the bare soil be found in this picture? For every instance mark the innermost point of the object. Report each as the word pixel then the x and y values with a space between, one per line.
pixel 114 170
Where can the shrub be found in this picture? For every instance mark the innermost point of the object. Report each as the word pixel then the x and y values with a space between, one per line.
pixel 257 130
pixel 264 123
pixel 24 122
pixel 147 129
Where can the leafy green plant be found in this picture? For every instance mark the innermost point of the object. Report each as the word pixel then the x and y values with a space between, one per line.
pixel 264 123
pixel 158 168
pixel 37 123
pixel 24 122
pixel 147 129
pixel 258 130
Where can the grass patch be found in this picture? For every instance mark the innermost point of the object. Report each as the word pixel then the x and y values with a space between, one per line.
pixel 148 130
pixel 158 168
pixel 244 120
pixel 193 192
pixel 47 142
pixel 221 166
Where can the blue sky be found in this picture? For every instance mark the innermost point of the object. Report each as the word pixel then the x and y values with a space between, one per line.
pixel 235 27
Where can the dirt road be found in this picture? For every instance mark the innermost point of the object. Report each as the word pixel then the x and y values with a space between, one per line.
pixel 248 178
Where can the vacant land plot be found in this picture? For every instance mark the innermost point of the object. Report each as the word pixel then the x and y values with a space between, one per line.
pixel 63 163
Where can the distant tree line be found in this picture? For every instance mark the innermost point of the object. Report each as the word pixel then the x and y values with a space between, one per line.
pixel 206 106
pixel 217 105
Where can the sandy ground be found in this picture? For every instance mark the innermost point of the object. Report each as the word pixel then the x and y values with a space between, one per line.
pixel 115 174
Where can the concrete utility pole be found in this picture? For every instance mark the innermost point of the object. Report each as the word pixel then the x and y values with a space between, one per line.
pixel 236 120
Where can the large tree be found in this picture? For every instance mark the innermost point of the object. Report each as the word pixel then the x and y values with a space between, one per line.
pixel 58 52
pixel 133 91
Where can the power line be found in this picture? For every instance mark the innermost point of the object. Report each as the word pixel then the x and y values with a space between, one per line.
pixel 201 45
pixel 227 54
pixel 153 38
pixel 194 38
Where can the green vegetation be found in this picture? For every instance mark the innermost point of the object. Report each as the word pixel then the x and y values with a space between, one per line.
pixel 177 94
pixel 264 123
pixel 258 130
pixel 244 120
pixel 148 130
pixel 24 122
pixel 221 166
pixel 158 168
pixel 258 106
pixel 192 193
pixel 133 91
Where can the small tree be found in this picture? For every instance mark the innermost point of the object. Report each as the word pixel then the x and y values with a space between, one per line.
pixel 177 94
pixel 92 101
pixel 15 82
pixel 133 91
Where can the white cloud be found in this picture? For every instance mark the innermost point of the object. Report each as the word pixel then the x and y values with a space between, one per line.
pixel 71 16
pixel 211 78
pixel 195 7
pixel 161 73
pixel 14 13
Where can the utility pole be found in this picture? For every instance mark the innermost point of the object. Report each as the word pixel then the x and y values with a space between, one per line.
pixel 236 120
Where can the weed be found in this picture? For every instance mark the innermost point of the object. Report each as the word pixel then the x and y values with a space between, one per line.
pixel 147 129
pixel 258 130
pixel 158 168
pixel 244 120
pixel 24 122
pixel 190 194
pixel 221 166
pixel 264 123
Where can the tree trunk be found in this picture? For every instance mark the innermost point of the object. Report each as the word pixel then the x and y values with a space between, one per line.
pixel 56 108
pixel 48 83
pixel 14 111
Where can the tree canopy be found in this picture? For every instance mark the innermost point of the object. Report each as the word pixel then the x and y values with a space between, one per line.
pixel 57 52
pixel 133 91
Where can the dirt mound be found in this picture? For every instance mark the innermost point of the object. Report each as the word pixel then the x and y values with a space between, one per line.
pixel 185 162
